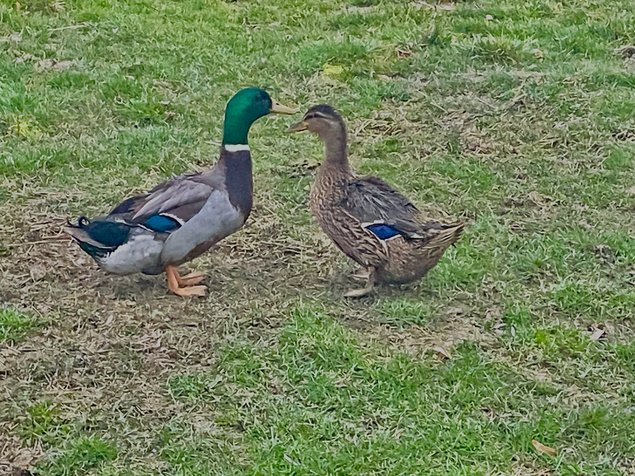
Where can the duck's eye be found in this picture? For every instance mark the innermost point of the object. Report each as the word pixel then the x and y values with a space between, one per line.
pixel 310 116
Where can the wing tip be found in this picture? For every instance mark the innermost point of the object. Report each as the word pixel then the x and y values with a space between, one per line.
pixel 129 205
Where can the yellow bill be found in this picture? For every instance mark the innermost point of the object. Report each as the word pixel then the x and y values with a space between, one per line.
pixel 281 109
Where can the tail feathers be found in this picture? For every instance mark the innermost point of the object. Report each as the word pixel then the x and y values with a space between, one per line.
pixel 437 237
pixel 79 231
pixel 100 236
pixel 82 222
pixel 449 234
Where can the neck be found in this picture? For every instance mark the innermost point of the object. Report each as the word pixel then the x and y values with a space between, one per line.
pixel 335 153
pixel 236 160
pixel 235 130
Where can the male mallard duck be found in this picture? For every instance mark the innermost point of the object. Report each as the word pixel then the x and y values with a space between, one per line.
pixel 182 218
pixel 368 220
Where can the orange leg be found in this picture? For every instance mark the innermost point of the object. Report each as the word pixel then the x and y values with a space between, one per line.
pixel 370 284
pixel 191 279
pixel 180 286
pixel 361 274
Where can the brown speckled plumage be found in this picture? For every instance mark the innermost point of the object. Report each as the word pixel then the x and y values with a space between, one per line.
pixel 345 205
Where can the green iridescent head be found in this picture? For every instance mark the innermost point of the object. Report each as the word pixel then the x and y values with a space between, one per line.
pixel 243 109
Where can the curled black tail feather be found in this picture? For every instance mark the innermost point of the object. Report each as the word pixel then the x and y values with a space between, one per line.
pixel 82 222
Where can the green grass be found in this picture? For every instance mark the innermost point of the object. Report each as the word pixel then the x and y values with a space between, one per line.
pixel 515 116
pixel 322 400
pixel 14 326
pixel 82 455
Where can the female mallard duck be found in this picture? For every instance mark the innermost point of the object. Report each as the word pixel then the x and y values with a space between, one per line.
pixel 182 218
pixel 368 220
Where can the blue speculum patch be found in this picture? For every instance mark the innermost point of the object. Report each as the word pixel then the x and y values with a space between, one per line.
pixel 161 223
pixel 383 231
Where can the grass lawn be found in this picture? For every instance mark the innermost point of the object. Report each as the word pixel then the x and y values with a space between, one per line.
pixel 515 116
